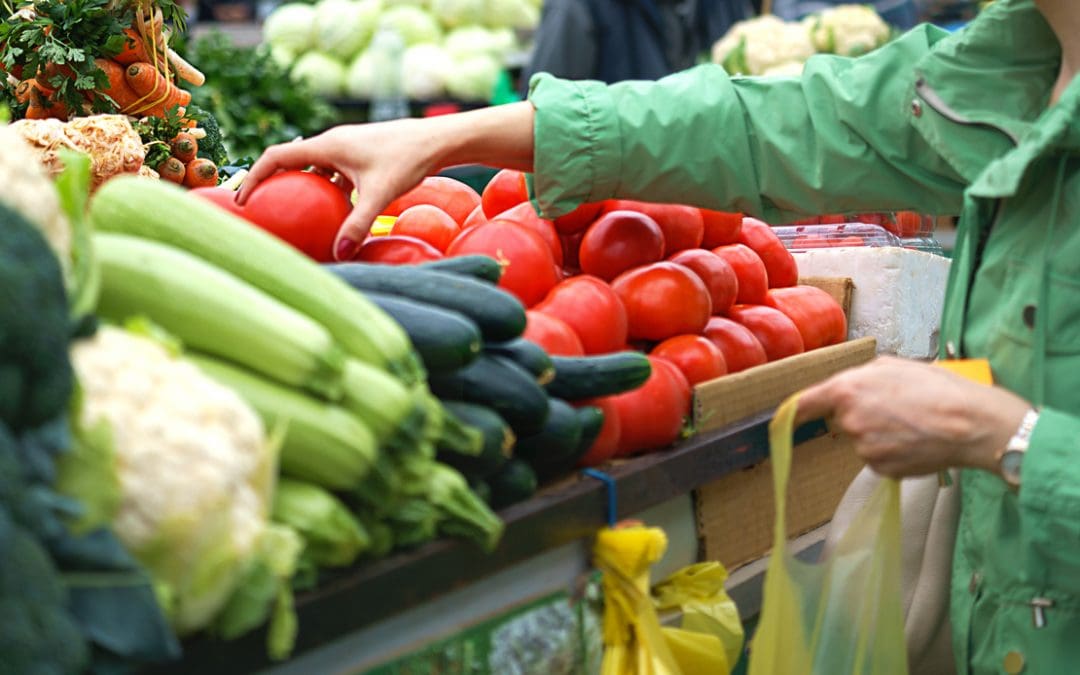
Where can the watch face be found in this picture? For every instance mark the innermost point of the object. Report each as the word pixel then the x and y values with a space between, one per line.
pixel 1010 466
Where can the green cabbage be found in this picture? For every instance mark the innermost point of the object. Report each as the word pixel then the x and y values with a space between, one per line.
pixel 344 27
pixel 455 13
pixel 414 25
pixel 512 14
pixel 473 78
pixel 424 71
pixel 466 41
pixel 360 78
pixel 324 74
pixel 291 26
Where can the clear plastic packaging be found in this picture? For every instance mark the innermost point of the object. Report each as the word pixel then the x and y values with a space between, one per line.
pixel 903 224
pixel 806 237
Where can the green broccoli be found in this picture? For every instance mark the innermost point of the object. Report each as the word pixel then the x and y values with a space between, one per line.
pixel 212 147
pixel 35 374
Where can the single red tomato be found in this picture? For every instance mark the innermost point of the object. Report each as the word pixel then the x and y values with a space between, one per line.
pixel 753 279
pixel 721 228
pixel 740 347
pixel 579 219
pixel 682 226
pixel 475 218
pixel 396 250
pixel 911 224
pixel 592 309
pixel 813 220
pixel 571 245
pixel 303 208
pixel 833 219
pixel 696 356
pixel 652 416
pixel 818 316
pixel 552 333
pixel 525 215
pixel 607 442
pixel 223 197
pixel 663 300
pixel 874 219
pixel 429 223
pixel 618 241
pixel 718 275
pixel 452 196
pixel 774 330
pixel 529 270
pixel 504 191
pixel 780 266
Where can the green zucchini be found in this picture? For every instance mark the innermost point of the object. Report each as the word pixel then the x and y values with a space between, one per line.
pixel 582 377
pixel 526 354
pixel 497 445
pixel 445 339
pixel 514 482
pixel 555 444
pixel 501 385
pixel 498 314
pixel 592 423
pixel 482 267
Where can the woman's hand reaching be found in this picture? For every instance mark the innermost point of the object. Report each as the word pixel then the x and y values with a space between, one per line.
pixel 909 418
pixel 385 160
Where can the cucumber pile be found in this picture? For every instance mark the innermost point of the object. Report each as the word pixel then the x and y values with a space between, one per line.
pixel 526 403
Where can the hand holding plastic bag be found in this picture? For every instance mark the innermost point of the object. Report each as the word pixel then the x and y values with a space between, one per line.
pixel 841 616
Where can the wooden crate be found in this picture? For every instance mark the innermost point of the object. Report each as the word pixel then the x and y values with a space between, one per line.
pixel 735 514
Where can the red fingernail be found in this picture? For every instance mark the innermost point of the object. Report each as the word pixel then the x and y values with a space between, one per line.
pixel 346 249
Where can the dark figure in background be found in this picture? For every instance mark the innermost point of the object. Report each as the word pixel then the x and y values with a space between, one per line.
pixel 614 40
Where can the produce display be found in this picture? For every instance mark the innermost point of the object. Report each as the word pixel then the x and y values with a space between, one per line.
pixel 768 45
pixel 449 48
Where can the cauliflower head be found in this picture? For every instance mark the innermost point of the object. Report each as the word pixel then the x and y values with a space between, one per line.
pixel 848 30
pixel 194 469
pixel 761 44
pixel 28 190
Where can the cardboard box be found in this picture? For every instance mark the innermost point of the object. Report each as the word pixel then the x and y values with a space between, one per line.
pixel 735 514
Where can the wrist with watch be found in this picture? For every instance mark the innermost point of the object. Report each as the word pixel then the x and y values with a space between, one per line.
pixel 1010 458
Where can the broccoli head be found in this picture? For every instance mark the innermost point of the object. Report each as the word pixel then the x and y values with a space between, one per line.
pixel 35 373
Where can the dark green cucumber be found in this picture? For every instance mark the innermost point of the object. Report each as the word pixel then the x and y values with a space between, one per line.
pixel 556 443
pixel 482 267
pixel 481 489
pixel 592 422
pixel 444 339
pixel 498 440
pixel 526 354
pixel 500 384
pixel 514 482
pixel 498 314
pixel 579 377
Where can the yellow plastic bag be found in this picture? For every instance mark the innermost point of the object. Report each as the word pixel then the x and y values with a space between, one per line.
pixel 635 643
pixel 843 615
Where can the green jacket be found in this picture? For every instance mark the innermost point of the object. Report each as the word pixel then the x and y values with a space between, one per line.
pixel 949 124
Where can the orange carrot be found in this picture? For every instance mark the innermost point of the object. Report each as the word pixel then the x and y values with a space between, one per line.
pixel 184 147
pixel 156 92
pixel 201 173
pixel 27 87
pixel 134 49
pixel 41 108
pixel 119 90
pixel 172 169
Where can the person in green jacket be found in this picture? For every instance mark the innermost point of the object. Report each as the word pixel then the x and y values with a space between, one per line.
pixel 984 123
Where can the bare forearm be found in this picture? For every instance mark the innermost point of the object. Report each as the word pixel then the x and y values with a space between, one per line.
pixel 500 136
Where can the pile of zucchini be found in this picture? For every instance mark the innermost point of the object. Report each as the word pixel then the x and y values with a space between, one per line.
pixel 526 403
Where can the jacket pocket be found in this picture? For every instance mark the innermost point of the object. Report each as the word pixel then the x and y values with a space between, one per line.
pixel 1020 313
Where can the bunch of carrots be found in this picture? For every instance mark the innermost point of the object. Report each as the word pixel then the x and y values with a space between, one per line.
pixel 142 82
pixel 184 167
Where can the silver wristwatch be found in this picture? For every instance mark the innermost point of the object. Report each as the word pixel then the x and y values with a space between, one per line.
pixel 1011 458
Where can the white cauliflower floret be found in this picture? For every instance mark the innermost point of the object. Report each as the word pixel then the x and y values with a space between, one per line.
pixel 757 45
pixel 848 30
pixel 789 69
pixel 195 472
pixel 26 188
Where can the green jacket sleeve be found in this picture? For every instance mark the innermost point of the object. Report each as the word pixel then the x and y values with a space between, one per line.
pixel 838 139
pixel 1050 483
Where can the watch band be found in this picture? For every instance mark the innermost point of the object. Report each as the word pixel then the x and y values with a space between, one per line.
pixel 1010 458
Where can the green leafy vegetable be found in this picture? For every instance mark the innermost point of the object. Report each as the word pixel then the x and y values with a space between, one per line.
pixel 252 97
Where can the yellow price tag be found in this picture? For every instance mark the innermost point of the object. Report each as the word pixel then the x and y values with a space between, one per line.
pixel 383 225
pixel 976 370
